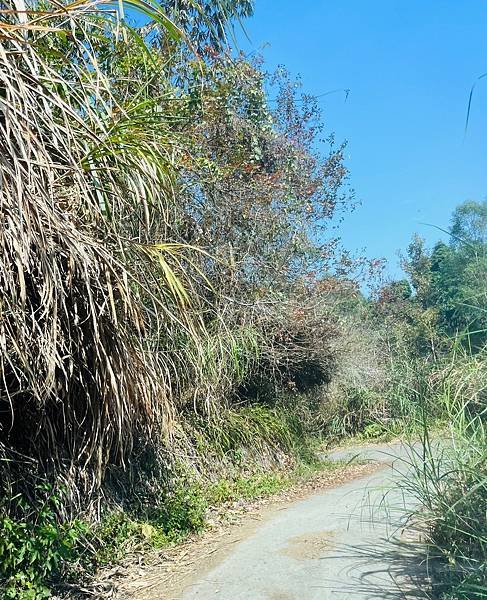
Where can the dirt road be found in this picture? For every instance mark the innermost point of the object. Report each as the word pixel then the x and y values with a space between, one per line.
pixel 350 542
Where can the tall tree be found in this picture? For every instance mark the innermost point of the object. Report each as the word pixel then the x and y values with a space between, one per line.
pixel 469 224
pixel 450 281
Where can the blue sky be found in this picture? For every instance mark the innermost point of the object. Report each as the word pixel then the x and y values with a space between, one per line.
pixel 409 66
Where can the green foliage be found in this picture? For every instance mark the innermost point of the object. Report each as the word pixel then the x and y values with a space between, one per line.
pixel 207 22
pixel 254 431
pixel 469 223
pixel 259 485
pixel 371 414
pixel 35 548
pixel 353 414
pixel 183 511
pixel 450 283
pixel 180 512
pixel 116 535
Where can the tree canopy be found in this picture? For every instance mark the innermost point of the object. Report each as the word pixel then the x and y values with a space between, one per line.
pixel 450 280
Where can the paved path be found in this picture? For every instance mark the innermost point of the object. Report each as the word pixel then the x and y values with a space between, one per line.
pixel 345 543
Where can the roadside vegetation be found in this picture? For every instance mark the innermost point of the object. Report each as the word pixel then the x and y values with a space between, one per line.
pixel 179 325
pixel 451 486
pixel 449 304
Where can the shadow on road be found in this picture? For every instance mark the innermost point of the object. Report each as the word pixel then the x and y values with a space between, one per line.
pixel 396 570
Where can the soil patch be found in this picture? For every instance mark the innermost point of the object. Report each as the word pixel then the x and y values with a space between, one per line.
pixel 309 546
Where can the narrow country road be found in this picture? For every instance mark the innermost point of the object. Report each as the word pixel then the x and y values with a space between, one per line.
pixel 350 542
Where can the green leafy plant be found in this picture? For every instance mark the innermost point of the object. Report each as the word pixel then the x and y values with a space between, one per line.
pixel 35 548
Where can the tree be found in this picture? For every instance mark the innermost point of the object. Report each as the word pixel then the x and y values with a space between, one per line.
pixel 450 281
pixel 417 265
pixel 469 224
pixel 264 195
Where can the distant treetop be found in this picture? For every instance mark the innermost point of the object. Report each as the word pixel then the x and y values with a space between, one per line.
pixel 469 223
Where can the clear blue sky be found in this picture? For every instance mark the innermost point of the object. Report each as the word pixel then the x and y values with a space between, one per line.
pixel 409 66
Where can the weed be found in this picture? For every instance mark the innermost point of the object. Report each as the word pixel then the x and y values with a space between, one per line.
pixel 35 548
pixel 259 485
pixel 182 512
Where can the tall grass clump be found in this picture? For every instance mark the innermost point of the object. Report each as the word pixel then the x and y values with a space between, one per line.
pixel 450 481
pixel 78 282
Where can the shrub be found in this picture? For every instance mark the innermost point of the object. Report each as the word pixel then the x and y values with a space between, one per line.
pixel 183 511
pixel 35 549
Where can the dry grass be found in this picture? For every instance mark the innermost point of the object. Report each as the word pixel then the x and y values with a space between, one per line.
pixel 90 285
